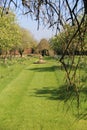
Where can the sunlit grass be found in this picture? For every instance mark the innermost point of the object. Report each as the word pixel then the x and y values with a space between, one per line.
pixel 31 97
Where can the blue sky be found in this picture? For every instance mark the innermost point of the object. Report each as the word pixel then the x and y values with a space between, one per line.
pixel 31 25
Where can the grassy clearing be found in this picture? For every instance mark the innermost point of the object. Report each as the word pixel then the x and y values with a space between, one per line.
pixel 31 98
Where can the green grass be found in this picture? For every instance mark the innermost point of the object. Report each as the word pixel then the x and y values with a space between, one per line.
pixel 32 98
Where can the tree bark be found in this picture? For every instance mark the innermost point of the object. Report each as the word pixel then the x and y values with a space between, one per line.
pixel 85 6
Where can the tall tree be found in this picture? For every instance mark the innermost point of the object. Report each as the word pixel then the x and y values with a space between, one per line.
pixel 9 32
pixel 27 41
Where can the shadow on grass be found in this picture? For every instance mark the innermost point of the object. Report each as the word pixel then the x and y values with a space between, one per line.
pixel 51 69
pixel 82 115
pixel 84 91
pixel 62 94
pixel 46 69
pixel 51 93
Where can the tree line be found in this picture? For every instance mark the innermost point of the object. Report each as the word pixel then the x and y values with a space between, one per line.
pixel 59 42
pixel 13 37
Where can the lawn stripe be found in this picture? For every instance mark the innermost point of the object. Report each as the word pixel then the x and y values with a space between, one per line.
pixel 28 102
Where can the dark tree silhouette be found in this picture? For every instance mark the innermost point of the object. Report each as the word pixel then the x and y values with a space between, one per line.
pixel 55 12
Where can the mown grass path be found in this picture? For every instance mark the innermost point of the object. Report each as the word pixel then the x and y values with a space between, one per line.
pixel 29 102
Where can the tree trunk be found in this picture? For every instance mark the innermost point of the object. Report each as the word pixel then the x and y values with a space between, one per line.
pixel 85 6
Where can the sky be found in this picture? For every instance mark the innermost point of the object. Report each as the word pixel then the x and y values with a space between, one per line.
pixel 26 22
pixel 31 25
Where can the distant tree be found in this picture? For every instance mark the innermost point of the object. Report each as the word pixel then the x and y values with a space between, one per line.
pixel 27 41
pixel 59 42
pixel 56 44
pixel 43 47
pixel 9 32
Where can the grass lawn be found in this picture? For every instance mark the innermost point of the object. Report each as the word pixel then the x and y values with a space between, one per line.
pixel 32 98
